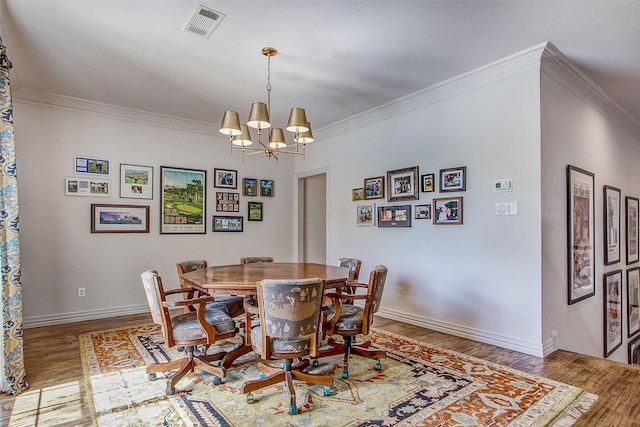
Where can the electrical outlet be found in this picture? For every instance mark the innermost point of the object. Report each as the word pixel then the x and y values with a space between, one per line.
pixel 81 292
pixel 400 294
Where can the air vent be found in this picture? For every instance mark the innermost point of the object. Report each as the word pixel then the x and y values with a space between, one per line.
pixel 204 21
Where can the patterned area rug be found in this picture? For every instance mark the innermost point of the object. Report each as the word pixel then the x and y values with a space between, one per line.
pixel 418 385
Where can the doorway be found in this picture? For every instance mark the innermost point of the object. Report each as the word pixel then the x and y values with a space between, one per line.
pixel 312 218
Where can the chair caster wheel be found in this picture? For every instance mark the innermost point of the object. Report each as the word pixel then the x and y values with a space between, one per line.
pixel 294 410
pixel 345 375
pixel 250 398
pixel 217 380
pixel 378 366
pixel 263 375
pixel 315 364
pixel 169 391
pixel 327 390
pixel 152 377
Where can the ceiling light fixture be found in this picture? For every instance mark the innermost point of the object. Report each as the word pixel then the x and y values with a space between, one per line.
pixel 240 138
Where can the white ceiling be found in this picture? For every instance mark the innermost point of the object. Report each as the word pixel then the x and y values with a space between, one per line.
pixel 336 58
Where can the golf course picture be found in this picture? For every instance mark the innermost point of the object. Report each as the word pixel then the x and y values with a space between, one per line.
pixel 183 200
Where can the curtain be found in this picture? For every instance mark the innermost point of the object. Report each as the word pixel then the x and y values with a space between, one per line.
pixel 13 377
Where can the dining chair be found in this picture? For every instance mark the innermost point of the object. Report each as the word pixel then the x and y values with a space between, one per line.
pixel 232 304
pixel 353 264
pixel 289 329
pixel 252 259
pixel 350 320
pixel 188 330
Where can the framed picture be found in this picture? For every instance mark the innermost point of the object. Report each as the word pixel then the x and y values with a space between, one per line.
pixel 394 216
pixel 612 311
pixel 447 211
pixel 453 179
pixel 580 234
pixel 631 225
pixel 87 187
pixel 357 194
pixel 402 184
pixel 255 211
pixel 227 202
pixel 225 178
pixel 611 225
pixel 182 200
pixel 366 214
pixel 91 165
pixel 633 301
pixel 374 188
pixel 249 187
pixel 266 188
pixel 136 182
pixel 634 352
pixel 227 223
pixel 427 182
pixel 119 218
pixel 423 212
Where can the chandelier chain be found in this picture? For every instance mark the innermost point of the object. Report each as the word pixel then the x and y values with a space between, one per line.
pixel 269 84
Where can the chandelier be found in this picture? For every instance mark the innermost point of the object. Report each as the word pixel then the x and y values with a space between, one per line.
pixel 240 138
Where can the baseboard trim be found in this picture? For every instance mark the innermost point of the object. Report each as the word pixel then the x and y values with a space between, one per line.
pixel 464 332
pixel 80 316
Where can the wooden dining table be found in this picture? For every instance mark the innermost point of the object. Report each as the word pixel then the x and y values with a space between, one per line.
pixel 241 279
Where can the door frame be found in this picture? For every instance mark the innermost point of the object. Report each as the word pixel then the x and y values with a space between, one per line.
pixel 298 207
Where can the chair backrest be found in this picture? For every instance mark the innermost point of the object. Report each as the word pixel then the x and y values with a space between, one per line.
pixel 353 264
pixel 252 259
pixel 377 278
pixel 189 266
pixel 155 295
pixel 290 309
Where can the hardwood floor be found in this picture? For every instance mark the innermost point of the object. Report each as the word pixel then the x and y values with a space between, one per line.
pixel 52 360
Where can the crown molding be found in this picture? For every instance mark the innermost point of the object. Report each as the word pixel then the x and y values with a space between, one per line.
pixel 562 70
pixel 67 103
pixel 522 62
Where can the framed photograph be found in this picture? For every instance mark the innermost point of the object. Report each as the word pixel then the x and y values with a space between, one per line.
pixel 366 214
pixel 255 211
pixel 266 188
pixel 227 202
pixel 611 225
pixel 394 216
pixel 91 165
pixel 580 234
pixel 634 352
pixel 612 311
pixel 423 212
pixel 402 184
pixel 631 225
pixel 119 218
pixel 87 187
pixel 453 179
pixel 447 211
pixel 182 200
pixel 249 187
pixel 136 182
pixel 633 301
pixel 374 188
pixel 427 182
pixel 357 194
pixel 225 178
pixel 227 223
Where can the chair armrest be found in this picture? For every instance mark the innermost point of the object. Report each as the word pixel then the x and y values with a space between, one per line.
pixel 187 302
pixel 184 290
pixel 349 297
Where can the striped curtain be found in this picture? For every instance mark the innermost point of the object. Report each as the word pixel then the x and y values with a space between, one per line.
pixel 13 378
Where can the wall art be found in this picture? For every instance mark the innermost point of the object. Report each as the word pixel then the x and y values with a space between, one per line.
pixel 136 182
pixel 357 194
pixel 91 165
pixel 612 311
pixel 225 178
pixel 394 216
pixel 453 179
pixel 374 188
pixel 611 225
pixel 580 234
pixel 255 211
pixel 227 223
pixel 402 184
pixel 87 187
pixel 634 352
pixel 633 301
pixel 249 187
pixel 423 212
pixel 447 211
pixel 182 200
pixel 366 214
pixel 227 202
pixel 633 228
pixel 428 182
pixel 119 218
pixel 266 188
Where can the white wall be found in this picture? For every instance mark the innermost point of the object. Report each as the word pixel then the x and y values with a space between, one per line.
pixel 59 254
pixel 481 279
pixel 575 132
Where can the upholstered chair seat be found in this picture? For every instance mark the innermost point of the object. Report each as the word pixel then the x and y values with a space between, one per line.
pixel 351 318
pixel 187 327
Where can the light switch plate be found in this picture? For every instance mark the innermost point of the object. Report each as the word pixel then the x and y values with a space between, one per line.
pixel 507 208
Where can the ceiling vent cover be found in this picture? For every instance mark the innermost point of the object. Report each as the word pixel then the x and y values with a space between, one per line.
pixel 204 21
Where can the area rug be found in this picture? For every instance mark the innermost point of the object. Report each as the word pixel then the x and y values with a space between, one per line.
pixel 419 385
